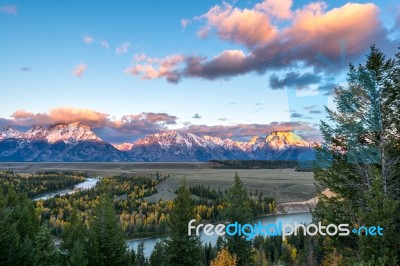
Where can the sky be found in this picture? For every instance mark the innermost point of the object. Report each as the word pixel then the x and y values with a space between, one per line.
pixel 232 69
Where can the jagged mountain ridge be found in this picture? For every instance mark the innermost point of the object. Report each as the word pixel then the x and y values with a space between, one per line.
pixel 77 142
pixel 175 146
pixel 73 132
pixel 62 142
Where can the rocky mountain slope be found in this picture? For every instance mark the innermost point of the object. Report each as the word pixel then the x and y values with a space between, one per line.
pixel 77 142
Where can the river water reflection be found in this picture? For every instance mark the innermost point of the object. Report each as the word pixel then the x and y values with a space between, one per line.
pixel 304 218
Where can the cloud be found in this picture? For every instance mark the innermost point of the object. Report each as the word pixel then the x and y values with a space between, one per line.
pixel 79 70
pixel 133 126
pixel 196 116
pixel 88 39
pixel 237 25
pixel 310 107
pixel 9 10
pixel 299 116
pixel 279 9
pixel 242 131
pixel 185 22
pixel 128 126
pixel 105 44
pixel 60 115
pixel 160 118
pixel 315 112
pixel 327 88
pixel 152 68
pixel 259 104
pixel 140 57
pixel 223 119
pixel 296 115
pixel 268 44
pixel 123 48
pixel 25 69
pixel 293 79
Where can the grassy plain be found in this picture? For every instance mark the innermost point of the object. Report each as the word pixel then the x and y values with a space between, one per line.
pixel 285 185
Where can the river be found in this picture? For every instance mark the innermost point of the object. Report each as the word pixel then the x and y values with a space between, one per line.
pixel 87 184
pixel 304 218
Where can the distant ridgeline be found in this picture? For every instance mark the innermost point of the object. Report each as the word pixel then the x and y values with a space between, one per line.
pixel 78 143
pixel 305 166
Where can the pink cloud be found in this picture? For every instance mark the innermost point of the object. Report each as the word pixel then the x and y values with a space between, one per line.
pixel 134 123
pixel 152 68
pixel 140 57
pixel 9 10
pixel 279 9
pixel 79 70
pixel 185 23
pixel 249 130
pixel 123 48
pixel 244 26
pixel 60 115
pixel 137 125
pixel 272 45
pixel 88 39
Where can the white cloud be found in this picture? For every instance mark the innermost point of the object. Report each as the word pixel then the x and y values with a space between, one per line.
pixel 123 48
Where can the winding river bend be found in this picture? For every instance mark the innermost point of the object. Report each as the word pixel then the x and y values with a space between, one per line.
pixel 87 184
pixel 304 218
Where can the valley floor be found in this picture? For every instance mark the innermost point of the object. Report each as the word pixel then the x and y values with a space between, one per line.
pixel 285 185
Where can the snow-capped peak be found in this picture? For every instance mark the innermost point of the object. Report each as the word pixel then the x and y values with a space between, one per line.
pixel 8 132
pixel 169 138
pixel 284 139
pixel 69 133
pixel 123 146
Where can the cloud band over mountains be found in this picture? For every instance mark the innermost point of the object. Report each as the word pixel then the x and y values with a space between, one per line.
pixel 134 126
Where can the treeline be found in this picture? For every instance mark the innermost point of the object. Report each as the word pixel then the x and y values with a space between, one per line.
pixel 39 183
pixel 253 164
pixel 210 203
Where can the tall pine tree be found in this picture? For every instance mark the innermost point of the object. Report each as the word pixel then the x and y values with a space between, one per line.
pixel 238 210
pixel 180 248
pixel 106 239
pixel 362 141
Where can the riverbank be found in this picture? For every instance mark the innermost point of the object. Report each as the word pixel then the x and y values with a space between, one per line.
pixel 288 208
pixel 149 243
pixel 301 206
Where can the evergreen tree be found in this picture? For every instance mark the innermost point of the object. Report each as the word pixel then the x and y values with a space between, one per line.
pixel 140 258
pixel 238 210
pixel 77 256
pixel 158 254
pixel 9 239
pixel 132 257
pixel 182 249
pixel 45 252
pixel 74 232
pixel 362 141
pixel 18 225
pixel 106 239
pixel 26 252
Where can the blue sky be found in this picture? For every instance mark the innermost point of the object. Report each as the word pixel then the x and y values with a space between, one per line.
pixel 132 68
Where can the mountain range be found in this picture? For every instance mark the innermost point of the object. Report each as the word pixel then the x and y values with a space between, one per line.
pixel 76 142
